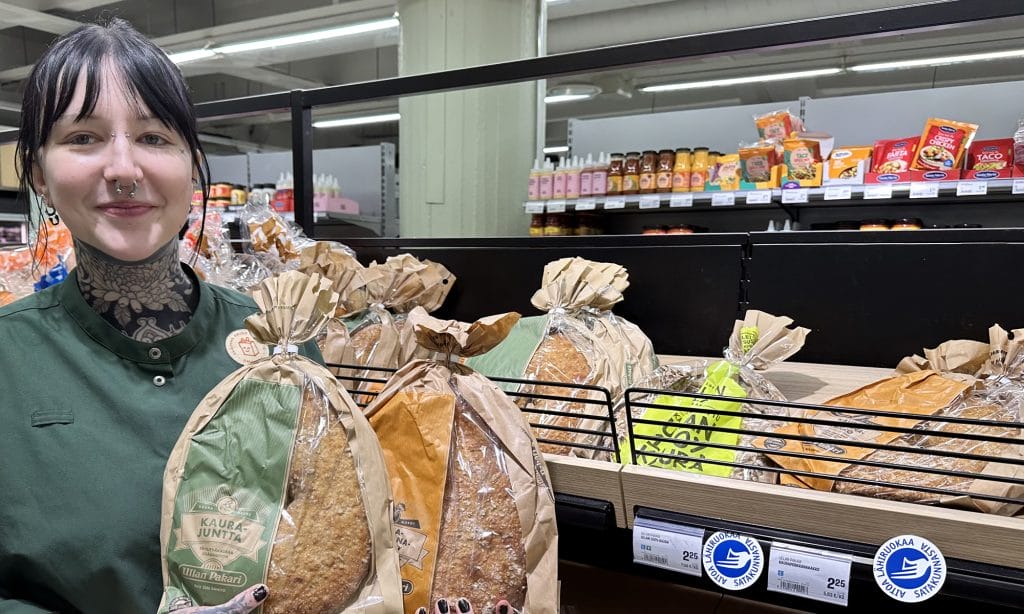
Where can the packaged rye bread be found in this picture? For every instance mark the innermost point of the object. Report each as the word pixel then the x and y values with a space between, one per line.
pixel 279 478
pixel 474 511
pixel 704 443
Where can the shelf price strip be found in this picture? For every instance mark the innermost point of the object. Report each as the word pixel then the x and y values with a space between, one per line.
pixel 972 188
pixel 809 573
pixel 1018 186
pixel 556 206
pixel 759 197
pixel 838 192
pixel 732 561
pixel 680 200
pixel 534 207
pixel 877 192
pixel 909 568
pixel 924 189
pixel 667 545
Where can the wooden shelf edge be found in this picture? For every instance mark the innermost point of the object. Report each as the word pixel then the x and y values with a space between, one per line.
pixel 588 478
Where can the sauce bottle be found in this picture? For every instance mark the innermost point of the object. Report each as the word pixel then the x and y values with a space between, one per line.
pixel 558 184
pixel 599 180
pixel 631 173
pixel 663 176
pixel 587 176
pixel 533 186
pixel 572 179
pixel 546 178
pixel 648 172
pixel 616 174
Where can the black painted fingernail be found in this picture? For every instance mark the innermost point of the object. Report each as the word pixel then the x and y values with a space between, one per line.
pixel 503 609
pixel 260 593
pixel 442 606
pixel 463 606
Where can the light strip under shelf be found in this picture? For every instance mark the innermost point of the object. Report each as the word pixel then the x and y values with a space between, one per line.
pixel 357 121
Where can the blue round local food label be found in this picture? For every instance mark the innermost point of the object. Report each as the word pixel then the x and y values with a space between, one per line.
pixel 909 568
pixel 733 561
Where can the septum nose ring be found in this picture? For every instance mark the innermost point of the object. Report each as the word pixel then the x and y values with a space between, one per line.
pixel 120 188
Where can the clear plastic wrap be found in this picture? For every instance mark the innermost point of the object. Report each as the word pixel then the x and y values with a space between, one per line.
pixel 279 478
pixel 474 510
pixel 757 342
pixel 996 396
pixel 24 270
pixel 272 243
pixel 210 255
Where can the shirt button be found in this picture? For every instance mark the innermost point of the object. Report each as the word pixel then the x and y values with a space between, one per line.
pixel 155 353
pixel 159 380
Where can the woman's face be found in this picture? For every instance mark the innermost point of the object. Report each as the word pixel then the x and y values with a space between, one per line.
pixel 81 163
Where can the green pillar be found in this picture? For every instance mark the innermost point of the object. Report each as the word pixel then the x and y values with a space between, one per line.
pixel 465 155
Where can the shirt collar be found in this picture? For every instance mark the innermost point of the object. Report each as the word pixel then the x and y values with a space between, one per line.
pixel 160 352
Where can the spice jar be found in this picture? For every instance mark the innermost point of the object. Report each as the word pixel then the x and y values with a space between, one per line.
pixel 648 172
pixel 681 170
pixel 537 225
pixel 615 173
pixel 631 173
pixel 910 223
pixel 663 175
pixel 699 169
pixel 874 225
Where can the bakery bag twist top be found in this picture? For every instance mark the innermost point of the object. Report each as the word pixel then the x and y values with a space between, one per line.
pixel 278 478
pixel 474 510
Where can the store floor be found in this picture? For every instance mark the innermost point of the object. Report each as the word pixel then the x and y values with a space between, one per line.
pixel 592 590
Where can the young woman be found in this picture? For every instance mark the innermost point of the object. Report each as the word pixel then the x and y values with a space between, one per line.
pixel 100 373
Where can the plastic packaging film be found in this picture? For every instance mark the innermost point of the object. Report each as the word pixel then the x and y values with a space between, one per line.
pixel 279 478
pixel 474 511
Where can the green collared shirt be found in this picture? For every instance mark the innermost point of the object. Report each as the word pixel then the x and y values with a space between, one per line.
pixel 88 418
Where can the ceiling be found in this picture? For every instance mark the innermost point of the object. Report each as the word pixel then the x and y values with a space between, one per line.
pixel 28 26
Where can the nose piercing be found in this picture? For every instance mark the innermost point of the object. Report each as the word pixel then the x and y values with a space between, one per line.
pixel 120 188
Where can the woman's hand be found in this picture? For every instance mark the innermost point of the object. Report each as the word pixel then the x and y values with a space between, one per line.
pixel 243 603
pixel 462 606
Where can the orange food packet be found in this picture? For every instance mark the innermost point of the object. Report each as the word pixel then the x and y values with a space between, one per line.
pixel 893 155
pixel 843 162
pixel 942 145
pixel 777 125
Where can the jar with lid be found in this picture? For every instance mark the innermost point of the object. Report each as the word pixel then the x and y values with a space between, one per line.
pixel 537 225
pixel 648 172
pixel 874 225
pixel 663 174
pixel 631 173
pixel 589 224
pixel 615 174
pixel 681 170
pixel 553 225
pixel 908 223
pixel 699 169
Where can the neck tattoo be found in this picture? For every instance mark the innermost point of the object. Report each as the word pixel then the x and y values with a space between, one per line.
pixel 147 301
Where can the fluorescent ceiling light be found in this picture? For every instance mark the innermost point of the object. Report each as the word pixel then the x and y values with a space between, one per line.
pixel 357 121
pixel 557 149
pixel 565 98
pixel 190 56
pixel 285 41
pixel 950 59
pixel 693 85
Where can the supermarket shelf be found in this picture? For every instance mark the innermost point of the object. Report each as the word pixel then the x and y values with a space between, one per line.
pixel 940 192
pixel 12 217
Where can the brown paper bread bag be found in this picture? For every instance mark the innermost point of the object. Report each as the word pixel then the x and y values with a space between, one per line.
pixel 279 478
pixel 474 510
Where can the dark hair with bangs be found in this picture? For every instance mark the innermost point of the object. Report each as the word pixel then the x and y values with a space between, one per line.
pixel 149 77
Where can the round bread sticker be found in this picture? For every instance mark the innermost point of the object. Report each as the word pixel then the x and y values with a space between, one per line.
pixel 244 349
pixel 733 561
pixel 909 568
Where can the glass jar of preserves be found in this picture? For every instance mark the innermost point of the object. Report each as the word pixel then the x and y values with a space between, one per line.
pixel 537 224
pixel 699 169
pixel 648 172
pixel 909 223
pixel 874 225
pixel 553 225
pixel 615 173
pixel 631 173
pixel 681 170
pixel 663 175
pixel 680 229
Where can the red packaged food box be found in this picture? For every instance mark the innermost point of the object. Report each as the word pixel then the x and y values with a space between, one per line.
pixel 991 159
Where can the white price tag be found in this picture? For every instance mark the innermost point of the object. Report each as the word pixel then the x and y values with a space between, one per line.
pixel 680 200
pixel 534 207
pixel 1018 186
pixel 760 197
pixel 667 545
pixel 615 202
pixel 556 206
pixel 876 192
pixel 838 192
pixel 586 204
pixel 972 188
pixel 723 199
pixel 924 189
pixel 810 573
pixel 650 201
pixel 798 195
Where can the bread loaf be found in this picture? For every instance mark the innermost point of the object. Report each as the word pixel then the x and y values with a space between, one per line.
pixel 924 443
pixel 321 551
pixel 480 555
pixel 558 359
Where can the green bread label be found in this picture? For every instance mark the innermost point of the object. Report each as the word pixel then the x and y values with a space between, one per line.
pixel 227 506
pixel 748 337
pixel 511 357
pixel 693 431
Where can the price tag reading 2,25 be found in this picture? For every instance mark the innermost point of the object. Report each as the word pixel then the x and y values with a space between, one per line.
pixel 667 545
pixel 809 573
